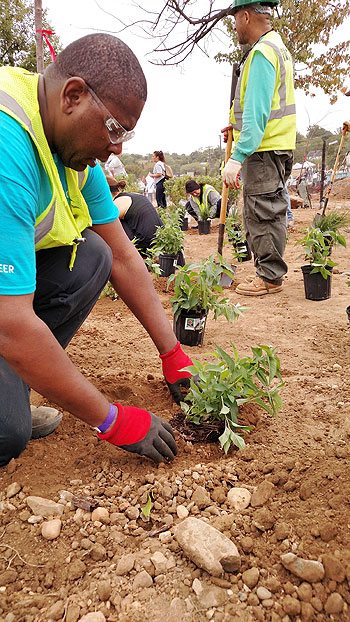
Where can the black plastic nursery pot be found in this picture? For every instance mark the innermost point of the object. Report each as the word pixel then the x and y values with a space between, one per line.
pixel 184 224
pixel 167 264
pixel 348 312
pixel 189 327
pixel 243 248
pixel 316 287
pixel 204 227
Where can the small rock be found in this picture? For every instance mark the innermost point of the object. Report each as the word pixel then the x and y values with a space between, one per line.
pixel 291 605
pixel 205 545
pixel 308 570
pixel 197 587
pixel 100 514
pixel 305 592
pixel 132 512
pixel 125 564
pixel 328 531
pixel 182 511
pixel 306 490
pixel 251 577
pixel 307 612
pixel 104 590
pixel 98 552
pixel 247 544
pixel 212 597
pixel 56 611
pixel 11 467
pixel 263 594
pixel 263 519
pixel 239 498
pixel 333 568
pixel 73 612
pixel 13 489
pixel 281 531
pixel 76 569
pixel 8 576
pixel 262 494
pixel 51 529
pixel 142 579
pixel 94 616
pixel 201 498
pixel 159 562
pixel 334 603
pixel 44 507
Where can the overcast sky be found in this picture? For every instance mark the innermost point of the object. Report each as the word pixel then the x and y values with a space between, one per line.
pixel 186 106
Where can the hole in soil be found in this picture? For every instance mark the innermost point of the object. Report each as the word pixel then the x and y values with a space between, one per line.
pixel 209 432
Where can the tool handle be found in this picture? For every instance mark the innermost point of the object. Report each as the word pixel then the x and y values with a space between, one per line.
pixel 224 195
pixel 346 128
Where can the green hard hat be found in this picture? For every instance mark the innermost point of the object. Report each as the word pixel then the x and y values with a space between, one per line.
pixel 240 4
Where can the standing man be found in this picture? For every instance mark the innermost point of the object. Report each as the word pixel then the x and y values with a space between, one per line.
pixel 61 241
pixel 264 128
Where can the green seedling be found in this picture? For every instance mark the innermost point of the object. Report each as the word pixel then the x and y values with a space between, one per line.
pixel 146 509
pixel 228 383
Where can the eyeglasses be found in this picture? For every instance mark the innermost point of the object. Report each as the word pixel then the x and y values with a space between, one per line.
pixel 117 133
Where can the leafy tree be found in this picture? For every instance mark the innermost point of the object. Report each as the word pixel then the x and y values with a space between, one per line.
pixel 305 25
pixel 17 35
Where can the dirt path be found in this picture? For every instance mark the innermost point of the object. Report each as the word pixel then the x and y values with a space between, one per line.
pixel 304 454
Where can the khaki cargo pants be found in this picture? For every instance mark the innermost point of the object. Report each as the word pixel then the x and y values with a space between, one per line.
pixel 264 175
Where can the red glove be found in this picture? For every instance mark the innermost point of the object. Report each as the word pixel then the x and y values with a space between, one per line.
pixel 143 433
pixel 172 363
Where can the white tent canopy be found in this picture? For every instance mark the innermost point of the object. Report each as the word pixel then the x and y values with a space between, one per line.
pixel 297 166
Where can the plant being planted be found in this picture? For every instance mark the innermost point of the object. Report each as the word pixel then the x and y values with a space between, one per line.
pixel 223 386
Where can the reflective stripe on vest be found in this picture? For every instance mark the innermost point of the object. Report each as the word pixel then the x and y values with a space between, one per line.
pixel 207 190
pixel 283 111
pixel 45 225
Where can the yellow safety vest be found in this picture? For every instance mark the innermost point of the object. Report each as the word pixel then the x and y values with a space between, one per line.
pixel 61 223
pixel 280 131
pixel 206 191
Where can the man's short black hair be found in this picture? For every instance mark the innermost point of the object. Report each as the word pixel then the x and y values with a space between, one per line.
pixel 106 63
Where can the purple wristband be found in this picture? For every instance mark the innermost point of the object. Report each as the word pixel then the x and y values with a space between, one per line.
pixel 109 419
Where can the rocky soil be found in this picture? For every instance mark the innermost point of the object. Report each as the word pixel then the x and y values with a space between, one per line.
pixel 258 535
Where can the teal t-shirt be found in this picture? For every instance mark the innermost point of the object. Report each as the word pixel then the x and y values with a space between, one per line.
pixel 24 195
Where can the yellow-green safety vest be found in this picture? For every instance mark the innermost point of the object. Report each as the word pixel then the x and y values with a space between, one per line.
pixel 280 131
pixel 206 191
pixel 61 223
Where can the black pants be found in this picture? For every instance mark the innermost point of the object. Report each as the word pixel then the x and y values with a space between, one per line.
pixel 160 194
pixel 63 299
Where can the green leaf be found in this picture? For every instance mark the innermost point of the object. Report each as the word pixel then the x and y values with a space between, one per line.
pixel 146 509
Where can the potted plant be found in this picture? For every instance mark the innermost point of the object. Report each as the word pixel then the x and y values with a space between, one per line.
pixel 223 386
pixel 168 243
pixel 317 245
pixel 196 292
pixel 204 221
pixel 236 235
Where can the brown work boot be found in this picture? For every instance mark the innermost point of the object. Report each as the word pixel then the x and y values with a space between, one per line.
pixel 258 287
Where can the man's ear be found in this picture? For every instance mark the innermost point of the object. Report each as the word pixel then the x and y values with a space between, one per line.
pixel 73 93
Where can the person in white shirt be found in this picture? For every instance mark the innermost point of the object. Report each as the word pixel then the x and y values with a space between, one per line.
pixel 159 177
pixel 114 166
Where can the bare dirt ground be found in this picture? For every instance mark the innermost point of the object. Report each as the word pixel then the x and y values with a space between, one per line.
pixel 304 453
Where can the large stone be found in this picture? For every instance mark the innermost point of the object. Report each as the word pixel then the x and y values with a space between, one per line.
pixel 306 569
pixel 239 498
pixel 262 494
pixel 44 507
pixel 205 545
pixel 334 603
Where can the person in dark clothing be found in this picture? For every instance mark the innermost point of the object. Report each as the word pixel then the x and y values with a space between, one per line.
pixel 138 217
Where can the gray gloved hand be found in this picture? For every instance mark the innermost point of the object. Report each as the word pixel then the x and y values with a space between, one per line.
pixel 141 432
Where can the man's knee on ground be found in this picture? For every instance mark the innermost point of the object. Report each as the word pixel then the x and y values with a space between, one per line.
pixel 13 440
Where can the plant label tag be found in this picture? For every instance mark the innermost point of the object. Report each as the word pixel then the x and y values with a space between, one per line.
pixel 195 323
pixel 175 263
